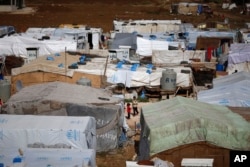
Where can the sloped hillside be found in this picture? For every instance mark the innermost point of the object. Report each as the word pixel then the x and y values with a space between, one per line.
pixel 100 13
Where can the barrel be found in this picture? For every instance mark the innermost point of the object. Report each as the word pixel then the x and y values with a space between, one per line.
pixel 84 81
pixel 5 88
pixel 168 80
pixel 200 9
pixel 219 67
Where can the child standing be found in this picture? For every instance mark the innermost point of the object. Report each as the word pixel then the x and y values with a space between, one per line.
pixel 128 110
pixel 135 106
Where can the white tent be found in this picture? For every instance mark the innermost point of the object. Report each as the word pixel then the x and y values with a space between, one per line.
pixel 232 90
pixel 24 139
pixel 239 58
pixel 17 45
pixel 64 99
pixel 19 131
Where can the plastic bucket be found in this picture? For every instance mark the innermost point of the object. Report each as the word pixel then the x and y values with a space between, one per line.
pixel 219 67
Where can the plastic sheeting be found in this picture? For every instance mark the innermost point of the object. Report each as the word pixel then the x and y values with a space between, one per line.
pixel 58 98
pixel 239 52
pixel 179 121
pixel 114 75
pixel 174 57
pixel 141 78
pixel 20 132
pixel 234 95
pixel 231 79
pixel 16 45
pixel 147 26
pixel 45 157
pixel 239 58
pixel 145 46
pixel 192 35
pixel 231 90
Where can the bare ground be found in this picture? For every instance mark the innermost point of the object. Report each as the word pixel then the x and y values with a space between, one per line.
pixel 98 13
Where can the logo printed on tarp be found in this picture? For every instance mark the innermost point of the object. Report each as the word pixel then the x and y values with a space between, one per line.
pixel 73 135
pixel 3 121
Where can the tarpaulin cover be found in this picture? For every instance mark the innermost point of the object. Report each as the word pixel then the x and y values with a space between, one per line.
pixel 179 121
pixel 239 52
pixel 17 45
pixel 42 157
pixel 239 58
pixel 19 131
pixel 231 90
pixel 234 95
pixel 114 75
pixel 231 79
pixel 59 98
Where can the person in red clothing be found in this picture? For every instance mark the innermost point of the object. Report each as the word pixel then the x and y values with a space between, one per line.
pixel 1 103
pixel 128 110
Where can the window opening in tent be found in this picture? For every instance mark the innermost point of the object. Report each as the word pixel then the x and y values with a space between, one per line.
pixel 90 40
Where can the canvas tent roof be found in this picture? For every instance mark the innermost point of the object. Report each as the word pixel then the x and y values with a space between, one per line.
pixel 179 121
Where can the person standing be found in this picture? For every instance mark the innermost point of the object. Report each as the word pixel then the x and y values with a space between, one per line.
pixel 128 111
pixel 135 106
pixel 1 103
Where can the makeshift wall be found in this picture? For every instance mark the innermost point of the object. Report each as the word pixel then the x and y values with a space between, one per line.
pixel 187 8
pixel 36 77
pixel 205 42
pixel 197 150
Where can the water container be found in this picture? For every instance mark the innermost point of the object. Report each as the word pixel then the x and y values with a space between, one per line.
pixel 200 9
pixel 5 88
pixel 84 81
pixel 168 80
pixel 219 67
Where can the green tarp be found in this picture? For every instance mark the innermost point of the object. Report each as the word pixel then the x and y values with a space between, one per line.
pixel 171 123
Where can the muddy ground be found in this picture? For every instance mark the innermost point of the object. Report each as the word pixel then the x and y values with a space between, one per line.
pixel 101 13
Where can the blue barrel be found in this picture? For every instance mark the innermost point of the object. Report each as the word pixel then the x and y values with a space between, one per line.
pixel 199 10
pixel 219 67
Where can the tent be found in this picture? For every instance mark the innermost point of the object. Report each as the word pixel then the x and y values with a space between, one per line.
pixel 18 131
pixel 31 137
pixel 42 70
pixel 17 45
pixel 179 122
pixel 64 99
pixel 235 95
pixel 124 39
pixel 231 79
pixel 231 90
pixel 239 58
pixel 147 26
